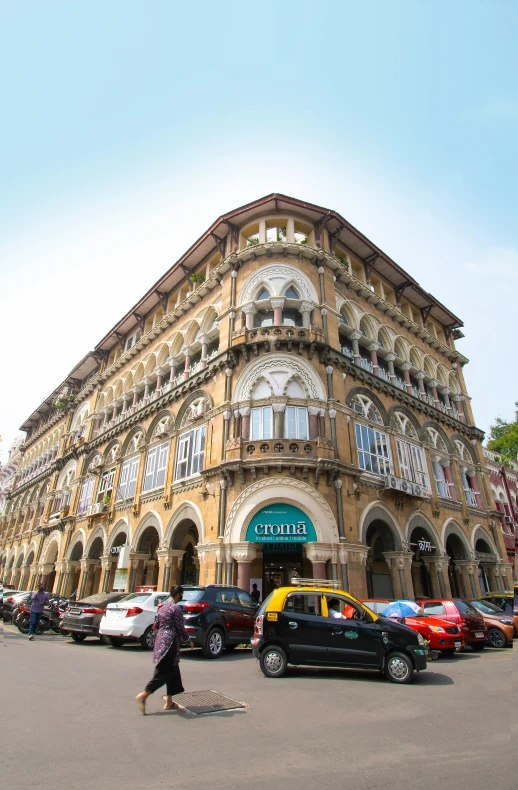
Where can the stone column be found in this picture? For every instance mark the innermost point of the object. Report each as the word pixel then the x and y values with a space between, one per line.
pixel 373 348
pixel 449 479
pixel 125 402
pixel 83 578
pixel 249 310
pixel 437 588
pixel 441 564
pixel 390 362
pixel 244 554
pixel 332 419
pixel 147 384
pixel 204 340
pixel 135 390
pixel 277 305
pixel 405 367
pixel 160 373
pixel 314 412
pixel 60 577
pixel 229 568
pixel 278 420
pixel 446 392
pixel 171 361
pixel 433 385
pixel 306 308
pixel 187 352
pixel 245 422
pixel 354 337
pixel 466 573
pixel 329 374
pixel 339 508
pixel 420 380
pixel 318 555
pixel 106 564
pixel 223 484
pixel 400 563
pixel 106 412
pixel 473 480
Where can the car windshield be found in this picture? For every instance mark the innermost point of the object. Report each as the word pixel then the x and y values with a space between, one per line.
pixel 464 607
pixel 136 597
pixel 487 607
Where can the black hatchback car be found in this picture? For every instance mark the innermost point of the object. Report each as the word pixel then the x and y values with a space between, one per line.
pixel 312 624
pixel 218 617
pixel 83 618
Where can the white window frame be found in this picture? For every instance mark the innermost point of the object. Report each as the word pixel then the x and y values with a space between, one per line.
pixel 257 423
pixel 376 438
pixel 412 463
pixel 190 453
pixel 85 498
pixel 301 426
pixel 156 465
pixel 128 478
pixel 106 484
pixel 132 340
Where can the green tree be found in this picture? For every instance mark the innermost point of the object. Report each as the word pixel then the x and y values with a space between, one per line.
pixel 503 437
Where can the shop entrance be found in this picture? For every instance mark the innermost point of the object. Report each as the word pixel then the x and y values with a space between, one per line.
pixel 280 566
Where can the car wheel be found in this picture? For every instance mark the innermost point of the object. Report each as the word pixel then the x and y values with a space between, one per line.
pixel 496 637
pixel 450 651
pixel 398 668
pixel 214 645
pixel 77 637
pixel 273 662
pixel 147 640
pixel 105 640
pixel 477 646
pixel 115 641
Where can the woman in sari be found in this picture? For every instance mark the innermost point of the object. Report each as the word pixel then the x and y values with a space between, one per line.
pixel 166 652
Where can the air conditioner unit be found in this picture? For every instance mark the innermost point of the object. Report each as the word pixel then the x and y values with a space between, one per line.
pixel 95 508
pixel 417 490
pixel 391 481
pixel 405 486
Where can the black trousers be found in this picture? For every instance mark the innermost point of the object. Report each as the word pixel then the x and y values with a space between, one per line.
pixel 167 672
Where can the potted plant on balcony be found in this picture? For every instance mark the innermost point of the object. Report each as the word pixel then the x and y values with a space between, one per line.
pixel 106 501
pixel 197 279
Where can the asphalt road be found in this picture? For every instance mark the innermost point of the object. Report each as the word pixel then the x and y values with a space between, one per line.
pixel 69 720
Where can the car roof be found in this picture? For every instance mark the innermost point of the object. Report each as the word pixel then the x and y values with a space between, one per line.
pixel 280 594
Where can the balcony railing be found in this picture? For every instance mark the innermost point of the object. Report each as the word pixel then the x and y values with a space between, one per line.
pixel 366 364
pixel 400 384
pixel 347 352
pixel 272 449
pixel 443 489
pixel 471 499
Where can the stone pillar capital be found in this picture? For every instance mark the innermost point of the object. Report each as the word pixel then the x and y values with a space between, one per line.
pixel 279 406
pixel 244 411
pixel 249 308
pixel 355 335
pixel 390 357
pixel 305 307
pixel 406 366
pixel 318 552
pixel 314 411
pixel 244 552
pixel 374 347
pixel 277 303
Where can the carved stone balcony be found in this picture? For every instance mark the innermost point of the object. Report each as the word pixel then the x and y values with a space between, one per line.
pixel 272 450
pixel 277 334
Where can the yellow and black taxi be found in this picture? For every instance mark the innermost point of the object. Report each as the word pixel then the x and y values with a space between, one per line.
pixel 313 622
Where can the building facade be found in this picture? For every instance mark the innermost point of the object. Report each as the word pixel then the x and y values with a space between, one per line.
pixel 286 399
pixel 504 486
pixel 8 471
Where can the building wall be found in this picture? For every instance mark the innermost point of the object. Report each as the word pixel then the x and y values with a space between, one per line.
pixel 337 343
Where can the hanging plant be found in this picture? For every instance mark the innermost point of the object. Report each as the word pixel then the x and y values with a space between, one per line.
pixel 197 278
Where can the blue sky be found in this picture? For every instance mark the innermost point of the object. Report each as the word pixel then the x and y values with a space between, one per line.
pixel 129 127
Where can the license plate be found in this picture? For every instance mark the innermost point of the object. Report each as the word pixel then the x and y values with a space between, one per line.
pixel 479 634
pixel 75 611
pixel 115 612
pixel 458 644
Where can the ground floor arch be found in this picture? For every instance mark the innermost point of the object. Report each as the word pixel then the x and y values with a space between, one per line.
pixel 425 545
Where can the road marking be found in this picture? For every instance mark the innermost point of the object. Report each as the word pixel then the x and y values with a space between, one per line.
pixel 11 630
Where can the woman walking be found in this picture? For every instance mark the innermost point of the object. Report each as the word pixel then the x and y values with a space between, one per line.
pixel 166 652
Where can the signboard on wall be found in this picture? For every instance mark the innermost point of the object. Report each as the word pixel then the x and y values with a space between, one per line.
pixel 280 523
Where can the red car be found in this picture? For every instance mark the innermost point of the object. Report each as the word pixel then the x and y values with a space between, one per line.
pixel 459 613
pixel 441 634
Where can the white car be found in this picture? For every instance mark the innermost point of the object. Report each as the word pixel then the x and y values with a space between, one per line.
pixel 131 619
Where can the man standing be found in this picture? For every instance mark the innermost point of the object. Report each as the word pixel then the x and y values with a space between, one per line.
pixel 255 595
pixel 39 599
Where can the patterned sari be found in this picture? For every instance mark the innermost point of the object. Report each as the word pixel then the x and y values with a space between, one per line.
pixel 170 631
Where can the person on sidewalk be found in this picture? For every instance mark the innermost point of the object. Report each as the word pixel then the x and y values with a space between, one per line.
pixel 38 601
pixel 166 652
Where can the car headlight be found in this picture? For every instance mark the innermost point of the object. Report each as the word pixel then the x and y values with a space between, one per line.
pixel 506 622
pixel 437 629
pixel 421 640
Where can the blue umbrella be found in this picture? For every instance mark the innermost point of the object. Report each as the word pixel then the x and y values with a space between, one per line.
pixel 400 609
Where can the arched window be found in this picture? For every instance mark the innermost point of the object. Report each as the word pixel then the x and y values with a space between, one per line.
pixel 363 328
pixel 401 423
pixel 343 317
pixel 436 440
pixel 263 294
pixel 291 293
pixel 362 405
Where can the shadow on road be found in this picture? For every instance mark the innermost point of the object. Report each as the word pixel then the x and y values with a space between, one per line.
pixel 428 677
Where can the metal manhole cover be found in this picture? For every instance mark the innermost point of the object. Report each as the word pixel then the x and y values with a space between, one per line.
pixel 199 702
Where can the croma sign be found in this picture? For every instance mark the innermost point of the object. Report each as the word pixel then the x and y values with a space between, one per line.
pixel 281 523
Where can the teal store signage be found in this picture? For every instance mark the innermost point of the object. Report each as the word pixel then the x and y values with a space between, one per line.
pixel 281 523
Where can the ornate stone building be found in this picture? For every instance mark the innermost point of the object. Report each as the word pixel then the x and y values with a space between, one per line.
pixel 284 399
pixel 504 486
